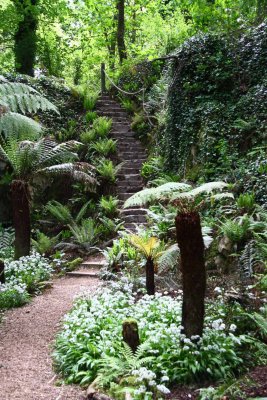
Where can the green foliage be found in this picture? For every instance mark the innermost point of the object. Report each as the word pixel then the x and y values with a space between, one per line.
pixel 89 101
pixel 90 116
pixel 104 147
pixel 85 234
pixel 246 202
pixel 108 205
pixel 102 126
pixel 6 242
pixel 167 357
pixel 213 117
pixel 60 212
pixel 107 170
pixel 236 231
pixel 88 137
pixel 43 243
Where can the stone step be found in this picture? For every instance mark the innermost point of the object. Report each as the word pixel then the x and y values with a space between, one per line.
pixel 130 170
pixel 116 115
pixel 130 182
pixel 94 264
pixel 133 211
pixel 128 189
pixel 85 273
pixel 126 155
pixel 125 196
pixel 134 163
pixel 133 227
pixel 137 219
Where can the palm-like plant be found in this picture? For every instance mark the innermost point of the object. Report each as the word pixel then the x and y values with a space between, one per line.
pixel 153 250
pixel 17 99
pixel 29 160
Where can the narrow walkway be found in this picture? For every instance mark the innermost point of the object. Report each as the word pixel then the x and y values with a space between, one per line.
pixel 26 337
pixel 131 153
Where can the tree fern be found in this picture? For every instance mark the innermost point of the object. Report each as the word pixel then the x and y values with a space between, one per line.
pixel 147 196
pixel 17 99
pixel 19 124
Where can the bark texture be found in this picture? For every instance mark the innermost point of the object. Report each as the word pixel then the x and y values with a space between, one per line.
pixel 121 31
pixel 25 38
pixel 2 271
pixel 150 276
pixel 21 217
pixel 190 241
pixel 130 334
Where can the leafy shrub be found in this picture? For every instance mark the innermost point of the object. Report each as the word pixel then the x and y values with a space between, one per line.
pixel 236 231
pixel 43 243
pixel 7 237
pixel 13 295
pixel 90 116
pixel 108 205
pixel 86 233
pixel 28 271
pixel 88 137
pixel 104 147
pixel 92 334
pixel 89 101
pixel 102 126
pixel 107 170
pixel 246 202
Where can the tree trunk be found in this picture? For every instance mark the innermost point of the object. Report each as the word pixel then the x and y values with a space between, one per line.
pixel 130 333
pixel 25 37
pixel 190 241
pixel 2 271
pixel 150 276
pixel 21 217
pixel 121 31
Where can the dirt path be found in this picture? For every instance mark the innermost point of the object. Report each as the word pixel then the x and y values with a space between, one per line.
pixel 26 335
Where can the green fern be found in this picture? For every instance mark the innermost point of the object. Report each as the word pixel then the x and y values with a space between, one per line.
pixel 18 97
pixel 150 195
pixel 112 368
pixel 60 212
pixel 85 234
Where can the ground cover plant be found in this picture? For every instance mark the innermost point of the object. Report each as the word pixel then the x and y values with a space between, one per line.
pixel 90 347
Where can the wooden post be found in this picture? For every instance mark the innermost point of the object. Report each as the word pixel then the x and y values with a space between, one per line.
pixel 2 271
pixel 103 78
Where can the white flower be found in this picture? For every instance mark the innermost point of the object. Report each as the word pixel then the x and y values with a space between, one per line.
pixel 163 389
pixel 232 327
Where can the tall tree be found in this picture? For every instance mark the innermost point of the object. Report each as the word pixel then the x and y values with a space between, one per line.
pixel 121 30
pixel 25 37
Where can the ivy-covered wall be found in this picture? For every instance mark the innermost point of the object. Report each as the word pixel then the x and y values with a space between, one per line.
pixel 217 102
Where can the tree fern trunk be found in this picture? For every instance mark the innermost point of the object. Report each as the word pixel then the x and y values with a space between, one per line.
pixel 21 217
pixel 150 276
pixel 190 241
pixel 2 271
pixel 25 37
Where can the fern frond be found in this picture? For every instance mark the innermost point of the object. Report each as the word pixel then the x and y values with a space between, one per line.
pixel 168 258
pixel 248 260
pixel 152 194
pixel 60 212
pixel 80 172
pixel 205 188
pixel 18 97
pixel 19 124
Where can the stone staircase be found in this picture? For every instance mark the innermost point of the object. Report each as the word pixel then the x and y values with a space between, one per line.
pixel 132 154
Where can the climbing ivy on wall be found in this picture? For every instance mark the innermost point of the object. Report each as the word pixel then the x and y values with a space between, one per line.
pixel 217 99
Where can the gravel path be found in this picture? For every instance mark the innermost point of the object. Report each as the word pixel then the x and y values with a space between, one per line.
pixel 26 335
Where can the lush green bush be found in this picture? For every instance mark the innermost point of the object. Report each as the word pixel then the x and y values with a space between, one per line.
pixel 216 102
pixel 22 278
